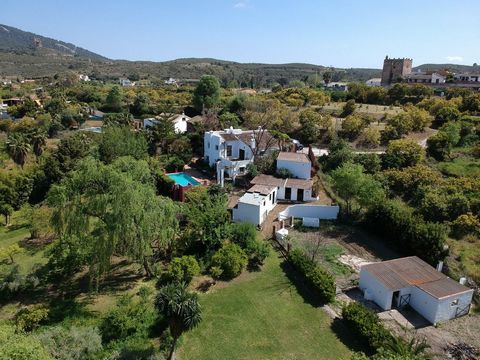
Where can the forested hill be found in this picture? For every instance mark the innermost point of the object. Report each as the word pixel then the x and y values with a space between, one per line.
pixel 30 55
pixel 23 42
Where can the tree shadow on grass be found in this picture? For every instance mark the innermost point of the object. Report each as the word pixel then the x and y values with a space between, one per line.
pixel 348 338
pixel 61 309
pixel 300 284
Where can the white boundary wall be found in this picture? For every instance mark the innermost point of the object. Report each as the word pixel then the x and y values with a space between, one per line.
pixel 324 212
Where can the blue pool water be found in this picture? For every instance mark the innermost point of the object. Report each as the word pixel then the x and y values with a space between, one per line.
pixel 183 179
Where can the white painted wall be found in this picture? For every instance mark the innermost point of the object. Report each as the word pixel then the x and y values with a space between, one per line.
pixel 307 194
pixel 446 311
pixel 246 213
pixel 325 212
pixel 377 292
pixel 255 214
pixel 215 148
pixel 298 169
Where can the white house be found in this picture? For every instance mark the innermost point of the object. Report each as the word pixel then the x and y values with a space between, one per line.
pixel 374 82
pixel 298 164
pixel 180 121
pixel 83 77
pixel 171 81
pixel 126 82
pixel 411 281
pixel 425 77
pixel 254 206
pixel 232 150
pixel 467 77
pixel 288 189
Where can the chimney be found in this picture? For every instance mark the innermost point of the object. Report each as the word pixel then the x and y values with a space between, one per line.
pixel 462 280
pixel 252 142
pixel 440 266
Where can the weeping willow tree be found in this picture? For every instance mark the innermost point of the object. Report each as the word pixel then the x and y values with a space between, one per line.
pixel 112 210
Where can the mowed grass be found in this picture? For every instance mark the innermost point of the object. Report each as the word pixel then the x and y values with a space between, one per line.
pixel 461 166
pixel 15 234
pixel 261 316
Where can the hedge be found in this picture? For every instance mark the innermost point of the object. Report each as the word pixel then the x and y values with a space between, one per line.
pixel 397 222
pixel 366 324
pixel 318 278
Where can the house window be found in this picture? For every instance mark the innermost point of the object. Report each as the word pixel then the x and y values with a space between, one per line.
pixel 216 147
pixel 229 150
pixel 242 169
pixel 454 302
pixel 270 197
pixel 208 144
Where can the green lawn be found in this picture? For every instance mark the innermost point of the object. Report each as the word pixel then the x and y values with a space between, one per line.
pixel 16 233
pixel 461 166
pixel 261 316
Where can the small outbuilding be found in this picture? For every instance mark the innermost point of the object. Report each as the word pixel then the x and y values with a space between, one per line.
pixel 254 206
pixel 411 281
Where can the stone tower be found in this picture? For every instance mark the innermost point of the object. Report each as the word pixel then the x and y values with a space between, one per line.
pixel 393 69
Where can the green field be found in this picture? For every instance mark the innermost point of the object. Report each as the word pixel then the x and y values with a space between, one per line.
pixel 461 166
pixel 262 316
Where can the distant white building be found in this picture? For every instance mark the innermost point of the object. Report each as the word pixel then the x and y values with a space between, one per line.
pixel 467 77
pixel 297 163
pixel 374 82
pixel 171 81
pixel 5 81
pixel 180 122
pixel 232 150
pixel 425 78
pixel 288 189
pixel 411 281
pixel 83 77
pixel 126 82
pixel 255 205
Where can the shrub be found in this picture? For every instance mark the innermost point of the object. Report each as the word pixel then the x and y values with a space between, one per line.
pixel 366 324
pixel 466 224
pixel 322 282
pixel 20 346
pixel 75 343
pixel 183 269
pixel 283 173
pixel 30 318
pixel 231 259
pixel 413 236
pixel 245 235
pixel 129 318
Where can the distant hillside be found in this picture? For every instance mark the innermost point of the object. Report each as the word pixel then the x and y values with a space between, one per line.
pixel 22 42
pixel 29 55
pixel 451 67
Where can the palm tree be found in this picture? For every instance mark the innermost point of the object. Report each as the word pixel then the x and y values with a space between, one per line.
pixel 181 309
pixel 18 148
pixel 415 348
pixel 38 140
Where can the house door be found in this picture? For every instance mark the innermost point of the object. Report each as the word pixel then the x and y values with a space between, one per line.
pixel 395 297
pixel 241 154
pixel 288 193
pixel 300 195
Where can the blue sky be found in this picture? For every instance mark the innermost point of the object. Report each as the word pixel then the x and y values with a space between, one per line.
pixel 342 33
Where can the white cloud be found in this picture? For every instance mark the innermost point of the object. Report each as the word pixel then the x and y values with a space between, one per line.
pixel 241 4
pixel 455 58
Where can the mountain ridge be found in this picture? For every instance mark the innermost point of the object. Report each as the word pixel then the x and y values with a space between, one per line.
pixel 27 54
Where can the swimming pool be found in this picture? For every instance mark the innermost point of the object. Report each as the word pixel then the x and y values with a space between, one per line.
pixel 183 179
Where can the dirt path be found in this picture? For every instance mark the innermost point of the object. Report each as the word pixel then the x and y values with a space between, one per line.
pixel 267 227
